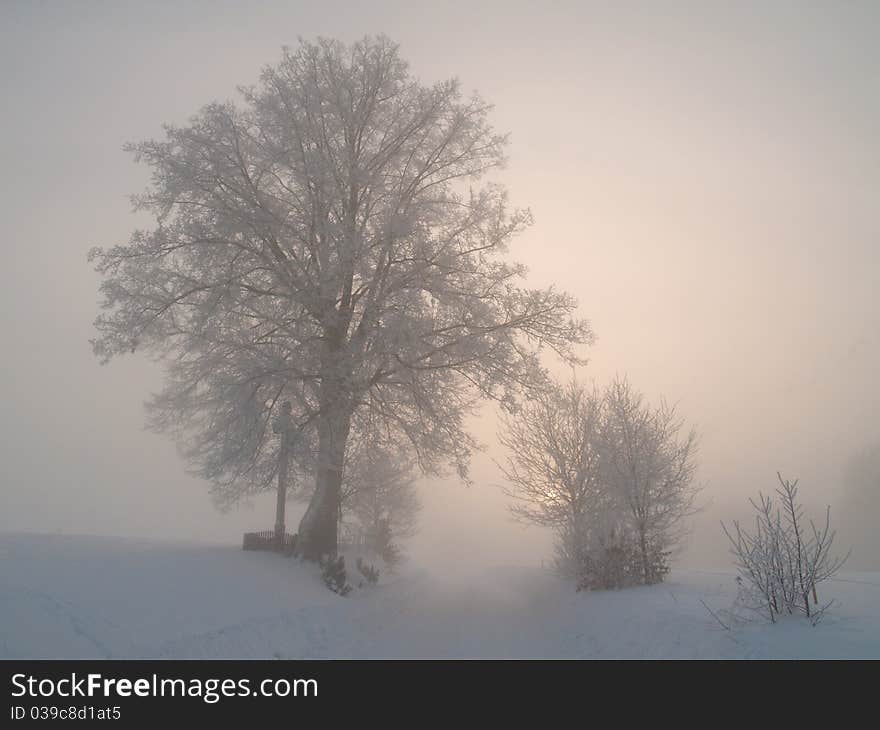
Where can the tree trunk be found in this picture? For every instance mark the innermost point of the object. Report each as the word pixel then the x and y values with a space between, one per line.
pixel 318 529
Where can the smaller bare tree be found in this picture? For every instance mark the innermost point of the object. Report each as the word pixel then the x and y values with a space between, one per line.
pixel 782 562
pixel 612 476
pixel 380 504
pixel 649 464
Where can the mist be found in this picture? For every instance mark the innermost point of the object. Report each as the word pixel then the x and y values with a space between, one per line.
pixel 703 177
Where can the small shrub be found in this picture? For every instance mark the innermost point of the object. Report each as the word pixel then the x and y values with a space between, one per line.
pixel 370 572
pixel 334 575
pixel 603 559
pixel 782 562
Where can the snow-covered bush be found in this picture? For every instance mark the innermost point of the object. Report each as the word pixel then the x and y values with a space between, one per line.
pixel 601 559
pixel 334 575
pixel 781 563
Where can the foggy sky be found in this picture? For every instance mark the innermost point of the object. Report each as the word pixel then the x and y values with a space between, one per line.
pixel 704 179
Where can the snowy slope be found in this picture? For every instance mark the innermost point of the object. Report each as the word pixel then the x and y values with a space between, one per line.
pixel 81 597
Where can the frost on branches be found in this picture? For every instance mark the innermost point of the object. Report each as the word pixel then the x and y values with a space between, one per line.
pixel 782 562
pixel 611 474
pixel 329 241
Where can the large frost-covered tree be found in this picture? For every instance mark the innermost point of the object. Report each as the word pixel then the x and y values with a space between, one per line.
pixel 328 242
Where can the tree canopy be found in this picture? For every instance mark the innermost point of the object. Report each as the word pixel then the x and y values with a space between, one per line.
pixel 328 240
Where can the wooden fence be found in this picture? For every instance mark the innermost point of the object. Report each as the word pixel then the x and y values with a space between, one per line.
pixel 267 540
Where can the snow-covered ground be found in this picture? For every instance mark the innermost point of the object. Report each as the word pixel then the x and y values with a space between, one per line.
pixel 82 597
